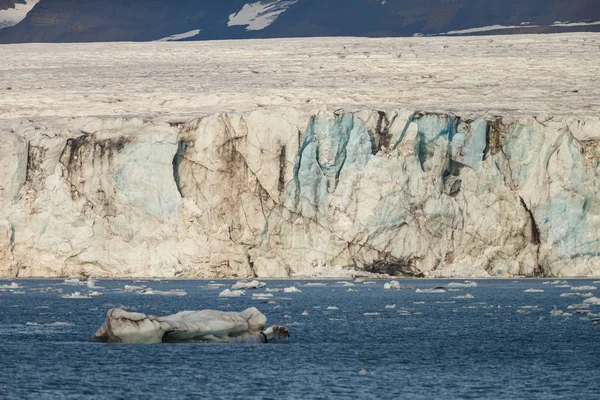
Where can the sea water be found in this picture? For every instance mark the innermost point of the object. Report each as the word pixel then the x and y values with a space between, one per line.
pixel 359 341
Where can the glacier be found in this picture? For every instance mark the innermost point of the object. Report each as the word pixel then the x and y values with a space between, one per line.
pixel 262 194
pixel 209 170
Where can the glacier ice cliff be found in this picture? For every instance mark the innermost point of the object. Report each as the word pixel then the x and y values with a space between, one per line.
pixel 285 193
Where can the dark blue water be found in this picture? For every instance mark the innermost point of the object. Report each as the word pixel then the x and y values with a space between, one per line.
pixel 429 346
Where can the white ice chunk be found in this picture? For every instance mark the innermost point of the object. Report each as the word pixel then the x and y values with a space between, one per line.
pixel 533 291
pixel 232 293
pixel 466 296
pixel 174 292
pixel 95 294
pixel 189 326
pixel 583 287
pixel 392 285
pixel 243 285
pixel 13 285
pixel 133 288
pixel 434 290
pixel 390 306
pixel 331 308
pixel 576 294
pixel 292 289
pixel 75 295
pixel 458 285
pixel 75 281
pixel 592 300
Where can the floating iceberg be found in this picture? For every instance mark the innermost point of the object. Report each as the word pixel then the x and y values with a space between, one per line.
pixel 592 300
pixel 533 291
pixel 174 292
pixel 248 285
pixel 292 289
pixel 231 293
pixel 576 294
pixel 434 290
pixel 466 296
pixel 457 285
pixel 75 295
pixel 13 285
pixel 75 281
pixel 583 287
pixel 206 326
pixel 392 285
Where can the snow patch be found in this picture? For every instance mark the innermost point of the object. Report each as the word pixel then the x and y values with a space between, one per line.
pixel 259 15
pixel 180 36
pixel 13 16
pixel 487 29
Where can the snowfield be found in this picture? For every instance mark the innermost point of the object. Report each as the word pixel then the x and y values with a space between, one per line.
pixel 500 75
pixel 441 157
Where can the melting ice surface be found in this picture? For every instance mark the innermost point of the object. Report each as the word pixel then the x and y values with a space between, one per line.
pixel 502 343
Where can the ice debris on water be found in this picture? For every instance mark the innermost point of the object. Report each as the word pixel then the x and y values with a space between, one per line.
pixel 458 285
pixel 390 306
pixel 232 293
pixel 592 300
pixel 13 285
pixel 363 372
pixel 583 287
pixel 244 285
pixel 576 294
pixel 559 313
pixel 305 313
pixel 433 290
pixel 292 289
pixel 555 283
pixel 315 284
pixel 533 291
pixel 174 292
pixel 466 296
pixel 75 295
pixel 332 308
pixel 392 285
pixel 95 294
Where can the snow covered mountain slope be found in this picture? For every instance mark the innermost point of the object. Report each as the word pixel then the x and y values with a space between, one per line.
pixel 13 12
pixel 148 20
pixel 251 158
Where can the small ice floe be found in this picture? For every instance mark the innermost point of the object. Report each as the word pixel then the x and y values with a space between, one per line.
pixel 533 291
pixel 75 295
pixel 433 290
pixel 588 294
pixel 174 292
pixel 592 300
pixel 583 287
pixel 390 306
pixel 563 286
pixel 133 288
pixel 403 312
pixel 305 313
pixel 352 290
pixel 292 289
pixel 596 282
pixel 392 285
pixel 214 285
pixel 345 283
pixel 75 281
pixel 459 285
pixel 363 372
pixel 244 285
pixel 49 324
pixel 268 295
pixel 232 293
pixel 13 285
pixel 371 314
pixel 559 313
pixel 555 283
pixel 578 307
pixel 418 302
pixel 315 284
pixel 91 284
pixel 332 308
pixel 466 296
pixel 95 294
pixel 369 283
pixel 274 290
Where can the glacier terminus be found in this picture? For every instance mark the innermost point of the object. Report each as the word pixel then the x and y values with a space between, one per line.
pixel 430 157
